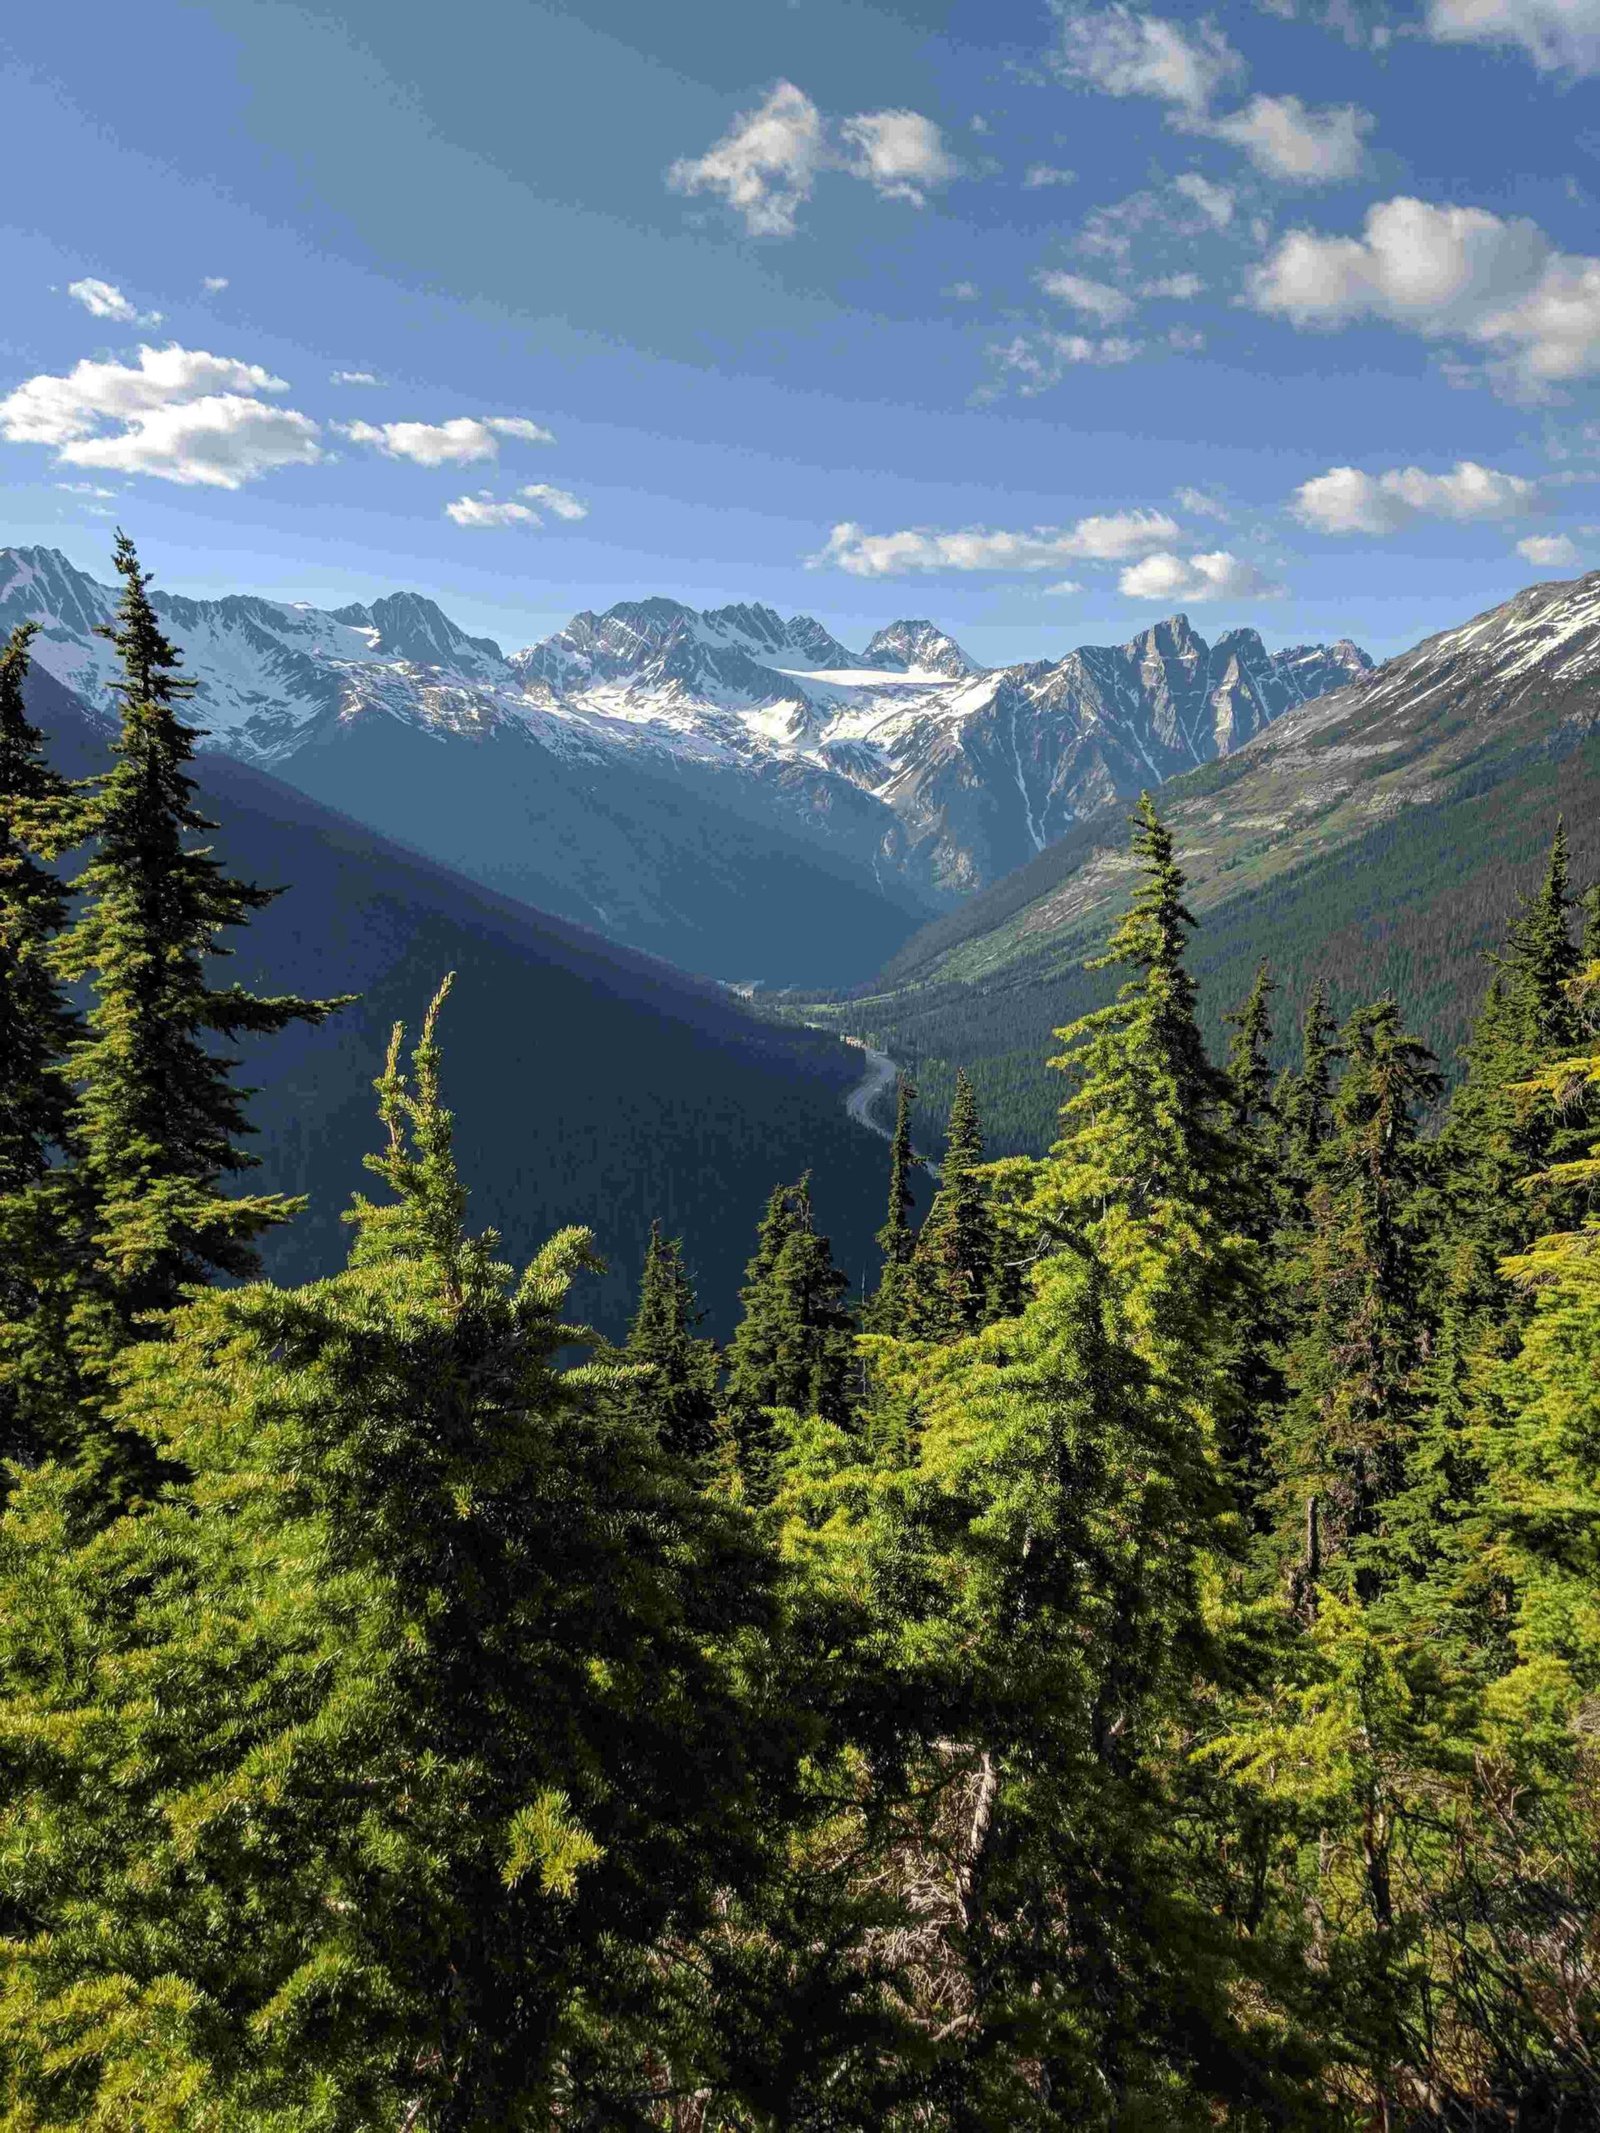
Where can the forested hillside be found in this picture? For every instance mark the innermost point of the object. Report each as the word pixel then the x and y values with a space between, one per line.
pixel 1137 1667
pixel 1374 839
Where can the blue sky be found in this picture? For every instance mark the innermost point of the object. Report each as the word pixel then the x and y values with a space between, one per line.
pixel 1042 320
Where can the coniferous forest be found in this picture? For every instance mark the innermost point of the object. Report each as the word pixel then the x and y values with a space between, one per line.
pixel 1137 1668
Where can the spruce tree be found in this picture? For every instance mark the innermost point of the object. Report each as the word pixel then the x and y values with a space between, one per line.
pixel 897 1237
pixel 1305 1098
pixel 950 1280
pixel 1251 1107
pixel 676 1391
pixel 157 1119
pixel 37 1031
pixel 1355 1370
pixel 793 1344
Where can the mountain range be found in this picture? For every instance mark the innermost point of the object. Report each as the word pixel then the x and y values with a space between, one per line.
pixel 1379 838
pixel 732 789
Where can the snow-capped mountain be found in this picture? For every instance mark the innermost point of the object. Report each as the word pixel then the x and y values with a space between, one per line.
pixel 906 762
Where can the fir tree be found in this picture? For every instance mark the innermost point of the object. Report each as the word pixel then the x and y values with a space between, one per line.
pixel 793 1345
pixel 897 1237
pixel 1355 1368
pixel 1305 1098
pixel 950 1280
pixel 1251 1107
pixel 157 1120
pixel 37 1031
pixel 676 1394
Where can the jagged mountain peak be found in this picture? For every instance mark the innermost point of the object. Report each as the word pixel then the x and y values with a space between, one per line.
pixel 919 646
pixel 410 626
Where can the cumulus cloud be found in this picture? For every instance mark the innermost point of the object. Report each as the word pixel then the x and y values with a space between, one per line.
pixel 561 502
pixel 1304 147
pixel 1346 500
pixel 1110 538
pixel 1039 175
pixel 214 283
pixel 1215 202
pixel 901 154
pixel 1125 52
pixel 1217 576
pixel 102 299
pixel 483 510
pixel 456 443
pixel 1447 273
pixel 1562 34
pixel 766 165
pixel 180 414
pixel 1095 299
pixel 1550 551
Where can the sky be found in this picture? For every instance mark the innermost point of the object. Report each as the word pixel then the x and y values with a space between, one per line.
pixel 1038 319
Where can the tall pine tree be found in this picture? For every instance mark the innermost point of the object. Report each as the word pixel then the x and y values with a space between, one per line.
pixel 950 1280
pixel 676 1391
pixel 897 1237
pixel 158 1120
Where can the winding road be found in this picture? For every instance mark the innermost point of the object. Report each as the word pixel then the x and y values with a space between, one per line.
pixel 879 1075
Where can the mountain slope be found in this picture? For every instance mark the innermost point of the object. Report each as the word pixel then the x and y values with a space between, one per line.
pixel 733 789
pixel 1379 836
pixel 589 1083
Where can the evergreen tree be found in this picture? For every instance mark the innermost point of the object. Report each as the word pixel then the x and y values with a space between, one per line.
pixel 1305 1098
pixel 157 1119
pixel 37 1030
pixel 793 1345
pixel 950 1280
pixel 676 1395
pixel 897 1237
pixel 1355 1368
pixel 1251 1107
pixel 374 1775
pixel 1144 1175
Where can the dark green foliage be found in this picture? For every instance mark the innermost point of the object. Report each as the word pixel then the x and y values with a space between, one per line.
pixel 897 1237
pixel 676 1394
pixel 950 1282
pixel 1355 1370
pixel 37 1031
pixel 792 1347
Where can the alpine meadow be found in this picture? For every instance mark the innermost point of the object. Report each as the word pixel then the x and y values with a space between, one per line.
pixel 800 1355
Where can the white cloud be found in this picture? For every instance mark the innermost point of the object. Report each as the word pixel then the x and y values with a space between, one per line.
pixel 1106 539
pixel 482 510
pixel 1447 273
pixel 86 488
pixel 217 443
pixel 1286 140
pixel 1095 299
pixel 456 443
pixel 1125 52
pixel 1550 551
pixel 766 165
pixel 561 501
pixel 1217 576
pixel 964 292
pixel 1036 361
pixel 352 377
pixel 101 299
pixel 1180 287
pixel 1039 175
pixel 180 414
pixel 215 283
pixel 901 154
pixel 1214 201
pixel 1345 500
pixel 1065 586
pixel 1200 504
pixel 1554 33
